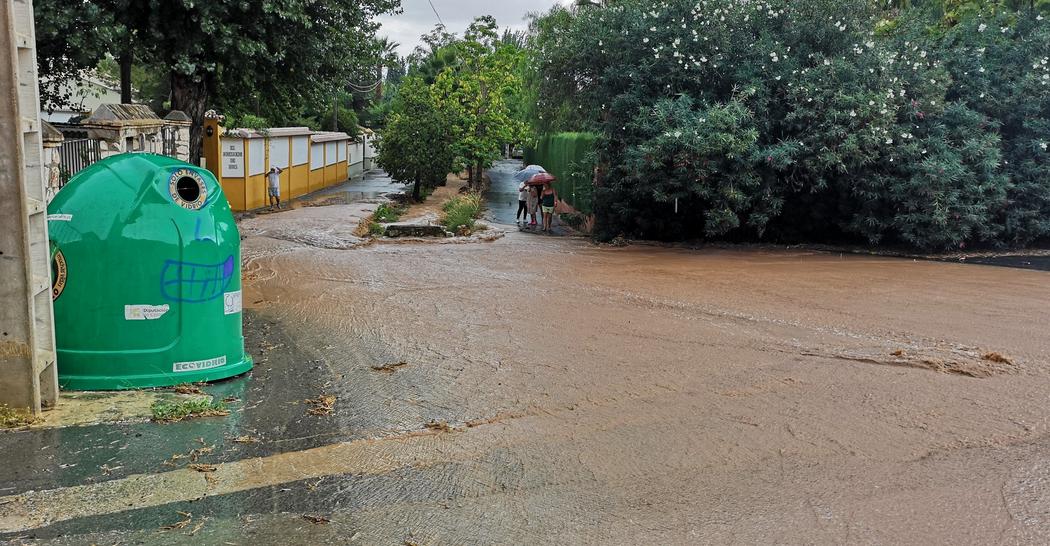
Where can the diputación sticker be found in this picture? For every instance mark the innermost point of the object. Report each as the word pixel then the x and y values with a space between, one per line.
pixel 58 275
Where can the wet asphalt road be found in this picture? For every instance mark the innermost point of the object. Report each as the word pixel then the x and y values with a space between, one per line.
pixel 502 196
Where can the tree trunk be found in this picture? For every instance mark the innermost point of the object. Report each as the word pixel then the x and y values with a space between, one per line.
pixel 481 176
pixel 379 87
pixel 415 192
pixel 125 78
pixel 470 177
pixel 335 113
pixel 189 93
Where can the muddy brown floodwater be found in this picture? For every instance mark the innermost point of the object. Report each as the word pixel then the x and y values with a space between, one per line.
pixel 557 392
pixel 547 391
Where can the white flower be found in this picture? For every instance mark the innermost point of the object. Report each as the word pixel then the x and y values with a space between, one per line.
pixel 827 62
pixel 1046 76
pixel 645 40
pixel 1043 146
pixel 852 113
pixel 933 103
pixel 981 70
pixel 924 150
pixel 889 141
pixel 677 134
pixel 775 58
pixel 982 27
pixel 871 103
pixel 778 78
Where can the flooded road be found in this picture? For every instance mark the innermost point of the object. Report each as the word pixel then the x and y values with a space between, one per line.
pixel 548 391
pixel 502 195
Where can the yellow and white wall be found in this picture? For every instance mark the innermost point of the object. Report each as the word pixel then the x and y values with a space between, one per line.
pixel 310 161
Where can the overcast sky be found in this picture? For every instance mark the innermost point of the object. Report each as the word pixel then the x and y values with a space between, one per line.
pixel 419 19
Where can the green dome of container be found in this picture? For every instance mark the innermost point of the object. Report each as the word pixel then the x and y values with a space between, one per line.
pixel 146 276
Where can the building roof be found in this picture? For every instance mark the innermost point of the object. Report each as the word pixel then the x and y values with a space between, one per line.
pixel 123 114
pixel 328 136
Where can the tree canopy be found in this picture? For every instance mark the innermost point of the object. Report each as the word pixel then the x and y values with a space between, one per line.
pixel 823 120
pixel 286 52
pixel 472 83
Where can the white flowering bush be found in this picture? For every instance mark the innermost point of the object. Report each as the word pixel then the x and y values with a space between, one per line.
pixel 812 120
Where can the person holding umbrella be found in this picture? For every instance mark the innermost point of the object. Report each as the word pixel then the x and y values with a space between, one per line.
pixel 547 197
pixel 550 196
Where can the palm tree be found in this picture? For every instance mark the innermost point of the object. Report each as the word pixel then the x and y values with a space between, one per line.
pixel 387 54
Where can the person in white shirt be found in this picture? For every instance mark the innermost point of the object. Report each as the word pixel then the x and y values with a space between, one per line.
pixel 523 197
pixel 273 182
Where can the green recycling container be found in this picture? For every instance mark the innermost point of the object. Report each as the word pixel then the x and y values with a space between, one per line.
pixel 146 276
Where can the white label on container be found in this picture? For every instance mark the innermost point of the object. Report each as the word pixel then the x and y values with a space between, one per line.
pixel 198 365
pixel 144 312
pixel 231 302
pixel 59 217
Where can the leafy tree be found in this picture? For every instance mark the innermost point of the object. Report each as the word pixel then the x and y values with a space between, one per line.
pixel 296 48
pixel 788 121
pixel 416 145
pixel 476 95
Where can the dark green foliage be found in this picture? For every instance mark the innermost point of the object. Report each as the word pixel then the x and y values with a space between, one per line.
pixel 193 407
pixel 568 156
pixel 807 121
pixel 416 145
pixel 389 213
pixel 462 210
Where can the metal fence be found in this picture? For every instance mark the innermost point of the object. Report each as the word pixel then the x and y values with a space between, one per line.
pixel 169 141
pixel 75 156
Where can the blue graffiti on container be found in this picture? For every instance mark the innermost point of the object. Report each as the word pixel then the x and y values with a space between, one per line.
pixel 195 283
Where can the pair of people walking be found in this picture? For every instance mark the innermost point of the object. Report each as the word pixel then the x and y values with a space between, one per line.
pixel 531 198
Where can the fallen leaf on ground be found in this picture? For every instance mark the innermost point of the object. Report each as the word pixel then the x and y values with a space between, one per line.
pixel 179 525
pixel 439 425
pixel 187 388
pixel 996 357
pixel 389 368
pixel 322 404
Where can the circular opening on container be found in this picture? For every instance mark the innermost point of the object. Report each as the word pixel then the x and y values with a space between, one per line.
pixel 188 189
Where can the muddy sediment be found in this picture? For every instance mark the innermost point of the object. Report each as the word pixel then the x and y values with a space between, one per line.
pixel 648 394
pixel 549 391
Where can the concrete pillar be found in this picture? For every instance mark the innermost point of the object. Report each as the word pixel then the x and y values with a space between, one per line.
pixel 28 373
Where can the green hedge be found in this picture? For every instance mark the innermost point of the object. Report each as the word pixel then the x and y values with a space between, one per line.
pixel 568 157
